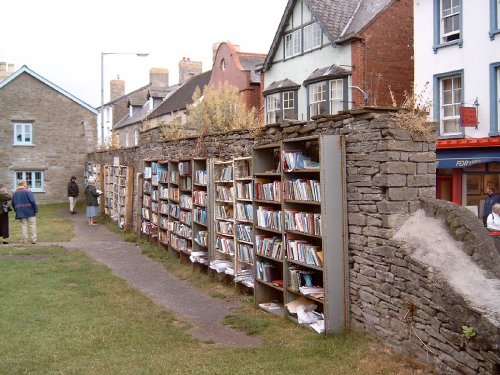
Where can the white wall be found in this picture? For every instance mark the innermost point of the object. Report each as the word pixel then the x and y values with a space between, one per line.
pixel 299 68
pixel 475 56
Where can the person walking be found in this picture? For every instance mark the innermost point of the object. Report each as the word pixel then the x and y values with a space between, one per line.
pixel 491 199
pixel 73 193
pixel 25 206
pixel 91 194
pixel 4 213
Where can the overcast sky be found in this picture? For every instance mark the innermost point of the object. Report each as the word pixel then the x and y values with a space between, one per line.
pixel 62 40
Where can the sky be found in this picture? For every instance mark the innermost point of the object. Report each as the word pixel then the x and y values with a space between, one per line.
pixel 62 40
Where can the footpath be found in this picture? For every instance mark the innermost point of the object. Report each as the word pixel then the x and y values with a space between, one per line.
pixel 190 305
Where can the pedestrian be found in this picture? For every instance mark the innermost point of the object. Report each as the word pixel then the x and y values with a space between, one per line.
pixel 4 213
pixel 91 195
pixel 489 201
pixel 73 193
pixel 26 209
pixel 493 220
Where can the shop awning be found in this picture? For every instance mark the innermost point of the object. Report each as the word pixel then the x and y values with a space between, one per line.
pixel 466 157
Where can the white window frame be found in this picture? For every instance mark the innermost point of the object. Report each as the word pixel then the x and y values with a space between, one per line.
pixel 452 12
pixel 31 177
pixel 293 43
pixel 289 104
pixel 126 139
pixel 336 87
pixel 312 36
pixel 453 106
pixel 317 98
pixel 20 129
pixel 273 108
pixel 136 137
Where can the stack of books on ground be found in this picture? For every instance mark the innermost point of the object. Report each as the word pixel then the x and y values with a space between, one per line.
pixel 221 266
pixel 245 277
pixel 199 257
pixel 303 309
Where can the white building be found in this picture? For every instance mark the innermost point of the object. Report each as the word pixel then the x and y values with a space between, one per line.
pixel 457 55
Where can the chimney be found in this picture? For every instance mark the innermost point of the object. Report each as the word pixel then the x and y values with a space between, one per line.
pixel 188 69
pixel 5 70
pixel 158 78
pixel 116 88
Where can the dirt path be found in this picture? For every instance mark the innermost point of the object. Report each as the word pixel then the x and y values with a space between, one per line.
pixel 190 305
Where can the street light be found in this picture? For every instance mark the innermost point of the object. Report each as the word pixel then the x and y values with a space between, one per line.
pixel 102 84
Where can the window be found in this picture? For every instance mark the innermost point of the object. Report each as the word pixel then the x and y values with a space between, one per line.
pixel 136 137
pixel 447 23
pixel 23 134
pixel 312 36
pixel 289 112
pixel 448 97
pixel 336 96
pixel 126 139
pixel 450 20
pixel 272 108
pixel 317 99
pixel 495 98
pixel 494 18
pixel 292 44
pixel 34 179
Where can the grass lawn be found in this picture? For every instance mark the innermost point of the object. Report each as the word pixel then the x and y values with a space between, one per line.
pixel 50 224
pixel 63 313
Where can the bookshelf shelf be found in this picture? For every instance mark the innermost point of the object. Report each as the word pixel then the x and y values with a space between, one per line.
pixel 300 230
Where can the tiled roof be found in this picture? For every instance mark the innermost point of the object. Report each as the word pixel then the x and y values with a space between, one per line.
pixel 281 85
pixel 251 62
pixel 333 15
pixel 179 99
pixel 329 71
pixel 367 11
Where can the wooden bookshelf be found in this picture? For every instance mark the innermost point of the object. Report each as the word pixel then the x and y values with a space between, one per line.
pixel 117 187
pixel 243 221
pixel 268 234
pixel 300 230
pixel 201 220
pixel 150 193
pixel 163 207
pixel 222 251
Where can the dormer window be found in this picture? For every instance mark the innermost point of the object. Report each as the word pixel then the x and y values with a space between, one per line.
pixel 151 103
pixel 130 110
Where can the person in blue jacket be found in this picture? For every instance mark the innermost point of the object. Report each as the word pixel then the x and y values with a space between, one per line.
pixel 24 204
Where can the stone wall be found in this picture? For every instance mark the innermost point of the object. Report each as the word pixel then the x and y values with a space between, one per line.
pixel 390 174
pixel 63 133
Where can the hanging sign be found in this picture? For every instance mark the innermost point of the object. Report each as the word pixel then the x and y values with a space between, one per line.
pixel 468 116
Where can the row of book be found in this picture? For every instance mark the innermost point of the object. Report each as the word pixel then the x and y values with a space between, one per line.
pixel 244 212
pixel 302 190
pixel 224 193
pixel 185 201
pixel 224 227
pixel 200 215
pixel 304 222
pixel 244 232
pixel 302 251
pixel 201 177
pixel 268 246
pixel 244 190
pixel 293 160
pixel 225 174
pixel 266 190
pixel 269 218
pixel 200 197
pixel 244 253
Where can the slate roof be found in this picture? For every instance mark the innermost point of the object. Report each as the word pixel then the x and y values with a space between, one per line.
pixel 180 98
pixel 329 71
pixel 281 85
pixel 250 61
pixel 341 20
pixel 141 114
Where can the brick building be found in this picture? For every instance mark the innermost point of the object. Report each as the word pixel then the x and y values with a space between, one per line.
pixel 45 135
pixel 329 55
pixel 238 69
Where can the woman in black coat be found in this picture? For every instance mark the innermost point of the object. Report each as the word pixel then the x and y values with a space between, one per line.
pixel 4 213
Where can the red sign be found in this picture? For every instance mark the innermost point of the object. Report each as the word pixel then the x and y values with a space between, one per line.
pixel 468 116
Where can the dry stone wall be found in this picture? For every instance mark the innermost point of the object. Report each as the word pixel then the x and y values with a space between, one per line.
pixel 390 174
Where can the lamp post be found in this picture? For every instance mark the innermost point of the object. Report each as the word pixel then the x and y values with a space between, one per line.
pixel 101 112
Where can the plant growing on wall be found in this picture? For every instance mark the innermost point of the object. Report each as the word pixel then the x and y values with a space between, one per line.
pixel 468 332
pixel 220 109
